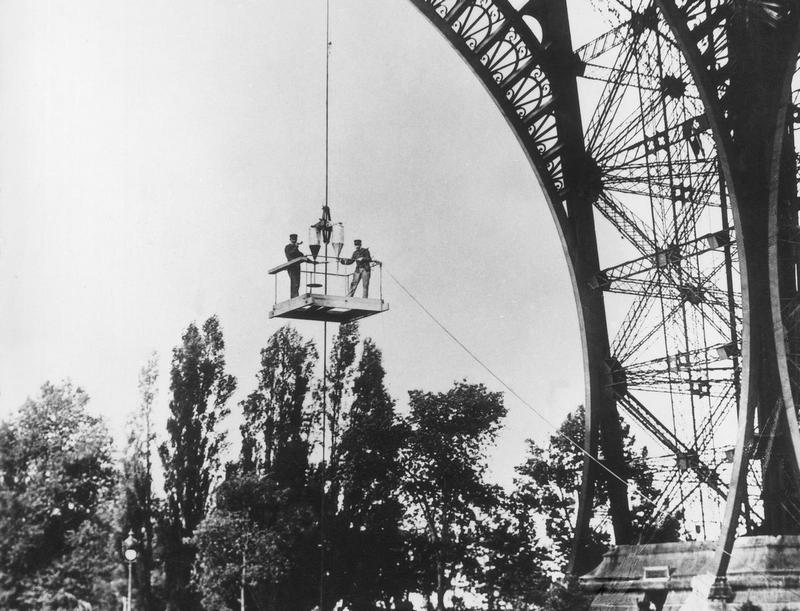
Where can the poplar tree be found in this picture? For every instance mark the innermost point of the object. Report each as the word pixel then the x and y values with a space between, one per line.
pixel 200 390
pixel 139 511
pixel 339 377
pixel 276 448
pixel 277 420
pixel 369 539
pixel 334 389
pixel 266 509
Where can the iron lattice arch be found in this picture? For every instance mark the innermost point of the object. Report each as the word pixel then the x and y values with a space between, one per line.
pixel 701 345
pixel 516 68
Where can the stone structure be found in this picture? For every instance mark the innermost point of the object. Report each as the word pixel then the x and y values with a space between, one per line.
pixel 764 571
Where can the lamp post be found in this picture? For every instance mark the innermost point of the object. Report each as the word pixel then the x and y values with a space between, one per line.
pixel 130 556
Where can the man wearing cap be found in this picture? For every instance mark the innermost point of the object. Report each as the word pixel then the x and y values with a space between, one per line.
pixel 363 260
pixel 292 251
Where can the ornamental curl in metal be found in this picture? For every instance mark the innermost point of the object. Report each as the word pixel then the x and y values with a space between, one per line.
pixel 509 58
pixel 477 22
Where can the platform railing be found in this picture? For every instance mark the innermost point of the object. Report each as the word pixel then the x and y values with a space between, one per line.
pixel 313 278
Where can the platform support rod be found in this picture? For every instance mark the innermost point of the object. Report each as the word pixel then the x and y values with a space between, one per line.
pixel 324 465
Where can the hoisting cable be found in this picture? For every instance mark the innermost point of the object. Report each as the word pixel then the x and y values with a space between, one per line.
pixel 327 87
pixel 323 475
pixel 656 502
pixel 659 507
pixel 323 469
pixel 477 359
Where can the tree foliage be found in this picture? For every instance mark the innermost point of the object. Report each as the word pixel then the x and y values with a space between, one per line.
pixel 200 390
pixel 549 481
pixel 243 544
pixel 277 421
pixel 267 533
pixel 56 484
pixel 139 507
pixel 512 571
pixel 371 551
pixel 407 506
pixel 331 397
pixel 266 508
pixel 339 378
pixel 444 464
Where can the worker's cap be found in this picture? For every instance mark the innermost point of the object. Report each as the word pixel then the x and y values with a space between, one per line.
pixel 357 242
pixel 292 236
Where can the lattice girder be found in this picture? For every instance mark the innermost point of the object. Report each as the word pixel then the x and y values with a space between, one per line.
pixel 661 192
pixel 533 82
pixel 652 171
pixel 742 58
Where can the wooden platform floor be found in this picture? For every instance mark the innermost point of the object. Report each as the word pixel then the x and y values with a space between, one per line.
pixel 328 308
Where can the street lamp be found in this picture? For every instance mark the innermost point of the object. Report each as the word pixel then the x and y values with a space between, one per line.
pixel 130 556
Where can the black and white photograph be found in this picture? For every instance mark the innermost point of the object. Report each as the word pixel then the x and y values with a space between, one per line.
pixel 408 305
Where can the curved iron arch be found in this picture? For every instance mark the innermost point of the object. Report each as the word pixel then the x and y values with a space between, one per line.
pixel 517 70
pixel 533 82
pixel 532 79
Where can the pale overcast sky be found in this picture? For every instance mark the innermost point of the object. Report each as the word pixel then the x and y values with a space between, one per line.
pixel 155 155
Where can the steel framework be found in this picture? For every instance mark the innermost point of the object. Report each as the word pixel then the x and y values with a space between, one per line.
pixel 689 156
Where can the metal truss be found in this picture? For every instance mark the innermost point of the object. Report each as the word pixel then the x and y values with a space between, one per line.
pixel 742 57
pixel 689 158
pixel 523 55
pixel 677 348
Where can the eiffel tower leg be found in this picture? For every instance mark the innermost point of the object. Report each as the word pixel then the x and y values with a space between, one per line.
pixel 750 126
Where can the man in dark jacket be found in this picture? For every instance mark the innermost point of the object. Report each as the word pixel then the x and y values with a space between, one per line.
pixel 363 261
pixel 292 251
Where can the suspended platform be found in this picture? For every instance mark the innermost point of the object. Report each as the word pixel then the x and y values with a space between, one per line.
pixel 314 303
pixel 329 308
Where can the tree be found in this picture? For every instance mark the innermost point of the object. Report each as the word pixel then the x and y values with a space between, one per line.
pixel 191 456
pixel 548 483
pixel 276 428
pixel 225 542
pixel 259 528
pixel 511 572
pixel 56 488
pixel 340 373
pixel 242 545
pixel 330 396
pixel 276 448
pixel 444 464
pixel 371 549
pixel 567 595
pixel 267 506
pixel 137 481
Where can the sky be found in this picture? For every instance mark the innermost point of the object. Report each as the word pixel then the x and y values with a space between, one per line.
pixel 154 157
